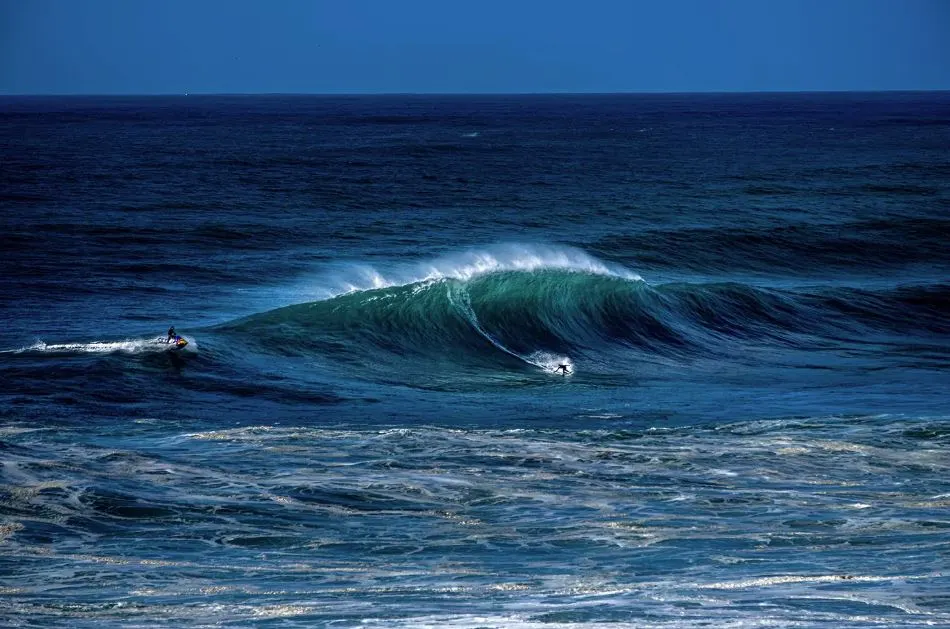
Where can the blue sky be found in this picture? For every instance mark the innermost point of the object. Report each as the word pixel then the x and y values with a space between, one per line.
pixel 471 46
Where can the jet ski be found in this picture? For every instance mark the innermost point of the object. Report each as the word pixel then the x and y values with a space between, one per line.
pixel 173 344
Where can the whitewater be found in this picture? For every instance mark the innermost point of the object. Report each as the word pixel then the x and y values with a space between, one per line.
pixel 368 427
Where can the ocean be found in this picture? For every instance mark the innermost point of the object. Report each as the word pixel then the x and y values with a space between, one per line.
pixel 371 424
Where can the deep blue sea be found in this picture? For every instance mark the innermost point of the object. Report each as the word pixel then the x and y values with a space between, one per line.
pixel 750 292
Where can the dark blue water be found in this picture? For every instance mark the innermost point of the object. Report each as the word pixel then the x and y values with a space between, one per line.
pixel 750 293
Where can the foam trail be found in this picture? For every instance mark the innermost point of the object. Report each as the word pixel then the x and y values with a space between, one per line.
pixel 127 346
pixel 545 360
pixel 466 265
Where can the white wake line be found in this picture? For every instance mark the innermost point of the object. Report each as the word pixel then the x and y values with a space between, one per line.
pixel 129 346
pixel 543 360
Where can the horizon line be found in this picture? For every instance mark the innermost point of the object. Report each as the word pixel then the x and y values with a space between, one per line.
pixel 371 94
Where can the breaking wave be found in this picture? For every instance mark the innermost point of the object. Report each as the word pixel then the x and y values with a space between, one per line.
pixel 496 309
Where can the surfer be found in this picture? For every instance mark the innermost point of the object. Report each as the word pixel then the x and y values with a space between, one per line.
pixel 562 367
pixel 171 334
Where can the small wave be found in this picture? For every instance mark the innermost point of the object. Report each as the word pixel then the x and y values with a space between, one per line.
pixel 797 248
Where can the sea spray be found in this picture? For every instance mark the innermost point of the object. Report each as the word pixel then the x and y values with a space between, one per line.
pixel 347 277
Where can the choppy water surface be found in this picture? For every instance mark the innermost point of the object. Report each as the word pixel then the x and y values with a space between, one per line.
pixel 749 294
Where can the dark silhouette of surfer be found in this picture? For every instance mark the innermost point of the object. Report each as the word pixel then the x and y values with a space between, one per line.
pixel 564 368
pixel 171 334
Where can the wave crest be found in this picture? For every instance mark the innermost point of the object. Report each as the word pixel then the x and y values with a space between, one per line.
pixel 468 265
pixel 516 308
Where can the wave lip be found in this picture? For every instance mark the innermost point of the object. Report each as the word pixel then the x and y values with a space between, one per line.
pixel 473 263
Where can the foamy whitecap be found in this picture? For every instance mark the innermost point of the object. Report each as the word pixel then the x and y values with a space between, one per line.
pixel 469 264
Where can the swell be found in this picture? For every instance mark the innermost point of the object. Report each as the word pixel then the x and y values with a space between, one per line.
pixel 509 313
pixel 541 318
pixel 799 249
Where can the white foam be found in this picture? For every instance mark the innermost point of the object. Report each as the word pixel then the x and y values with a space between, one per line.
pixel 794 578
pixel 467 265
pixel 127 346
pixel 549 362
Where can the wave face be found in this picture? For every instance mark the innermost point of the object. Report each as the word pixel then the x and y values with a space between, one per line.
pixel 554 306
pixel 506 305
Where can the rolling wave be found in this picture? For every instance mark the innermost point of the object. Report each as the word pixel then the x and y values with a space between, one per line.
pixel 561 306
pixel 513 311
